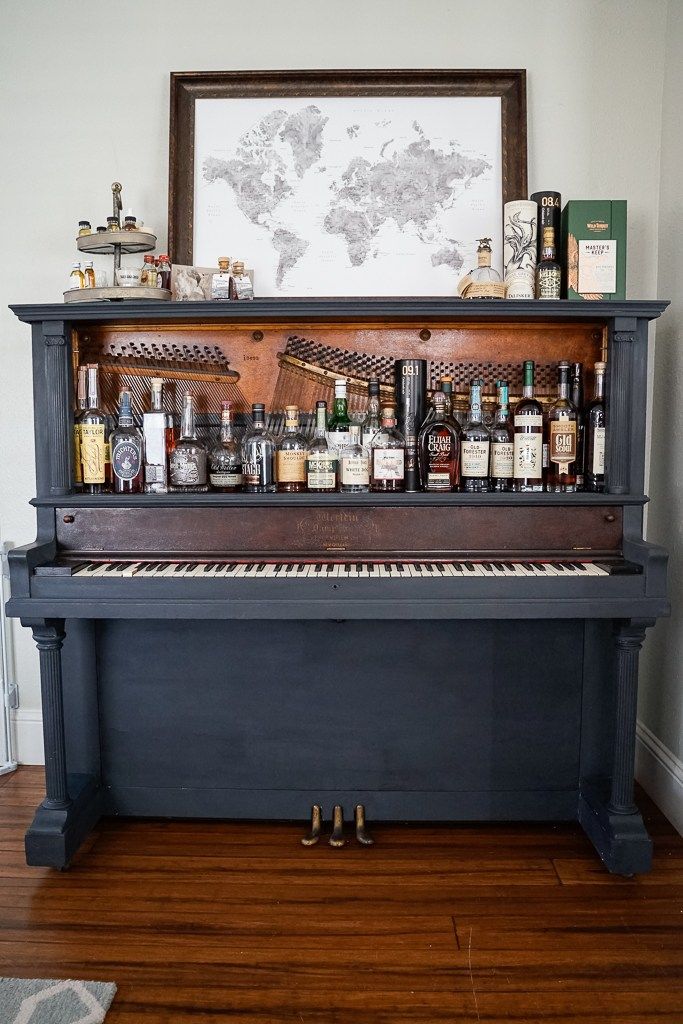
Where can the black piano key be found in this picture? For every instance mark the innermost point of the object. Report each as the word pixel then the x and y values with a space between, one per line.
pixel 388 566
pixel 456 566
pixel 318 567
pixel 440 568
pixel 486 565
pixel 469 566
pixel 260 567
pixel 498 565
pixel 558 566
pixel 347 567
pixel 510 565
pixel 578 566
pixel 541 568
pixel 527 565
pixel 180 566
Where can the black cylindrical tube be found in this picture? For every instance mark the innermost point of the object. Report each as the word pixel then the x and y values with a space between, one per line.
pixel 411 394
pixel 549 211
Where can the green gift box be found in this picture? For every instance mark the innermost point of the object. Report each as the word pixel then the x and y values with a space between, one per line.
pixel 594 249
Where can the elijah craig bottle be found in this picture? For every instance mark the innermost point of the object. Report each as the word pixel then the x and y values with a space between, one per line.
pixel 439 449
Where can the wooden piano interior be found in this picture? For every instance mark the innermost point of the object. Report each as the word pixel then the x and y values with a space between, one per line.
pixel 425 699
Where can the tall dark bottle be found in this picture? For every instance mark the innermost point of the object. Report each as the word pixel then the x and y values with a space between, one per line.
pixel 528 439
pixel 126 450
pixel 594 448
pixel 576 395
pixel 562 436
pixel 410 382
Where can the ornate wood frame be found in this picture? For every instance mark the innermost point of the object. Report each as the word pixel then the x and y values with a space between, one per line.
pixel 188 86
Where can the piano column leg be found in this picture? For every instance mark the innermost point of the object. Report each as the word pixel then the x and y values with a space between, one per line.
pixel 72 803
pixel 610 816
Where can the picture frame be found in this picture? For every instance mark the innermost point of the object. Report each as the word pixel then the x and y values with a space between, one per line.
pixel 437 154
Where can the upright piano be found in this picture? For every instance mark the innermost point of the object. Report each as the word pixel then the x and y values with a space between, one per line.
pixel 435 657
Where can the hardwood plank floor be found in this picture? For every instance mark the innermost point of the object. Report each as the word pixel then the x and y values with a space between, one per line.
pixel 200 922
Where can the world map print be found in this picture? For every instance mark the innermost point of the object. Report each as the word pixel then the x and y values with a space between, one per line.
pixel 322 197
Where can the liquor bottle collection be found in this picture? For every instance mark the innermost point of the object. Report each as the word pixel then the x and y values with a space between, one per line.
pixel 392 448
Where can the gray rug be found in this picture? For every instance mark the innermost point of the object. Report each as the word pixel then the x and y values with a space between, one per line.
pixel 33 1001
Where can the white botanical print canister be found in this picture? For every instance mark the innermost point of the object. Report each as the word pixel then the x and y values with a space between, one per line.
pixel 519 251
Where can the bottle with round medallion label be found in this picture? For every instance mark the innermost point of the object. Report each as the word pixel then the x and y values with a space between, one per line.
pixel 475 445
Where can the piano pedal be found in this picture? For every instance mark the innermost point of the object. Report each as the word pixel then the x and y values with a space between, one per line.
pixel 362 834
pixel 337 839
pixel 313 836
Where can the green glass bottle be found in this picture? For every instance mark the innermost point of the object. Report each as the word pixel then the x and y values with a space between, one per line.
pixel 338 425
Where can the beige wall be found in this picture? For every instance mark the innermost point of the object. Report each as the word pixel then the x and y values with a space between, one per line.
pixel 84 101
pixel 661 692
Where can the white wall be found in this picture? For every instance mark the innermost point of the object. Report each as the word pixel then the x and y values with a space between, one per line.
pixel 84 101
pixel 660 760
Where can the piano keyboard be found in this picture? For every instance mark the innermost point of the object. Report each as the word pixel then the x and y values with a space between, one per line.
pixel 336 570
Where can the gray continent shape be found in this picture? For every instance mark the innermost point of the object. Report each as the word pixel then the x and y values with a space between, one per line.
pixel 291 248
pixel 303 132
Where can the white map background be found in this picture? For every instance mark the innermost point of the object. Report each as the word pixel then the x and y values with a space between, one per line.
pixel 348 196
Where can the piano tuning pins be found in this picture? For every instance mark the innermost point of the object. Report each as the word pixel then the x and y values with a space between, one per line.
pixel 316 826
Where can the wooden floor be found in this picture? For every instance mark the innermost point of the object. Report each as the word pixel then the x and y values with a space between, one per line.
pixel 208 922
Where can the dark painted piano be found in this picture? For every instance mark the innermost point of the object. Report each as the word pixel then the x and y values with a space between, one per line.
pixel 449 658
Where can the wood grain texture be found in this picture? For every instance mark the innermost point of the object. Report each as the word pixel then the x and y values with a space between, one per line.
pixel 216 921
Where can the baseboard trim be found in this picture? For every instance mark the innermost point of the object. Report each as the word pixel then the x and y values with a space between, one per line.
pixel 28 736
pixel 660 773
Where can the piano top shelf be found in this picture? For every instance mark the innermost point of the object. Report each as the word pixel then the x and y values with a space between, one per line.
pixel 335 501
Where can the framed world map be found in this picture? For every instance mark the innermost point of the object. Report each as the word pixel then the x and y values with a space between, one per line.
pixel 345 183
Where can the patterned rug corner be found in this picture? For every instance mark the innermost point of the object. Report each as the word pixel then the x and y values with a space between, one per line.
pixel 44 1001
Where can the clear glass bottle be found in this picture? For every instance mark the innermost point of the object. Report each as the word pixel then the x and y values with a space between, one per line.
pixel 159 440
pixel 164 272
pixel 290 455
pixel 483 281
pixel 475 445
pixel 339 421
pixel 438 447
pixel 388 452
pixel 187 464
pixel 84 228
pixel 89 275
pixel 220 282
pixel 113 224
pixel 225 460
pixel 81 406
pixel 76 277
pixel 240 282
pixel 258 455
pixel 576 395
pixel 148 275
pixel 548 271
pixel 93 425
pixel 594 458
pixel 126 449
pixel 528 440
pixel 130 223
pixel 502 441
pixel 321 460
pixel 561 437
pixel 371 419
pixel 354 464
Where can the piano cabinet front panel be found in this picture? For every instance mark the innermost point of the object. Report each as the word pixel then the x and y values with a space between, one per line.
pixel 418 720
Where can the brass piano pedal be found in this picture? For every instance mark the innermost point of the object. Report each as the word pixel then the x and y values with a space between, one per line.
pixel 337 838
pixel 362 834
pixel 316 826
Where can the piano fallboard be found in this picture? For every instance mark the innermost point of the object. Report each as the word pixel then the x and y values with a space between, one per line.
pixel 339 532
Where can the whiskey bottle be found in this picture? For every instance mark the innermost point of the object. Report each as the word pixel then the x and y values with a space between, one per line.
pixel 159 440
pixel 548 271
pixel 528 439
pixel 439 449
pixel 371 420
pixel 594 476
pixel 321 460
pixel 561 435
pixel 126 450
pixel 339 421
pixel 81 406
pixel 240 282
pixel 258 455
pixel 220 282
pixel 290 455
pixel 188 458
pixel 502 442
pixel 225 460
pixel 388 455
pixel 576 396
pixel 354 475
pixel 93 440
pixel 475 445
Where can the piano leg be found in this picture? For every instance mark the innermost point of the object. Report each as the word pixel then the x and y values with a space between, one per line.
pixel 72 803
pixel 609 814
